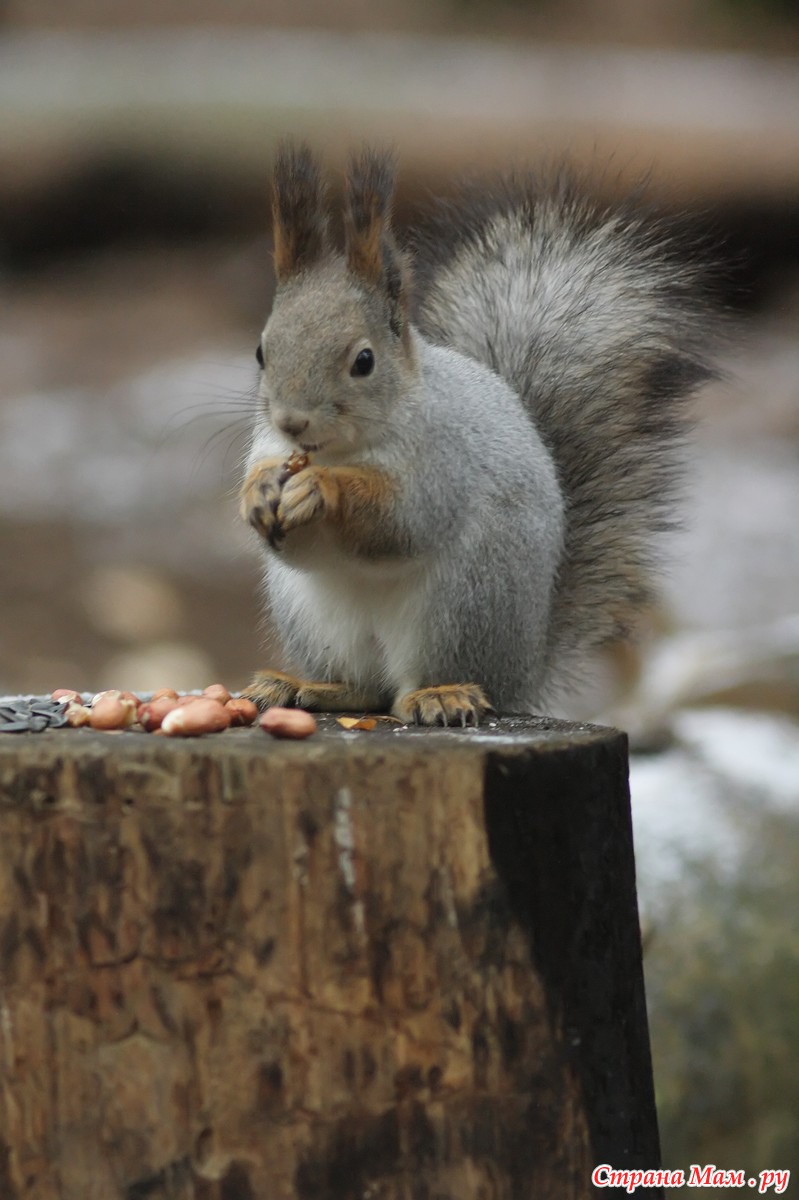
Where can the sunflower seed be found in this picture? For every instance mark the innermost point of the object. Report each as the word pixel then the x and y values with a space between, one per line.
pixel 35 714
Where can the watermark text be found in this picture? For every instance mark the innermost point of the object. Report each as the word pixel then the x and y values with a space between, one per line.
pixel 709 1176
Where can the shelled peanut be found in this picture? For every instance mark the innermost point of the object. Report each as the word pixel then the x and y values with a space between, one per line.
pixel 242 711
pixel 201 716
pixel 288 723
pixel 113 710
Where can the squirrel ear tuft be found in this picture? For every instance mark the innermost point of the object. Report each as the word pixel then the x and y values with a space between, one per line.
pixel 372 254
pixel 299 214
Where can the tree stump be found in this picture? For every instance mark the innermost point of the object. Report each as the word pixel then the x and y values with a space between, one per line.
pixel 395 965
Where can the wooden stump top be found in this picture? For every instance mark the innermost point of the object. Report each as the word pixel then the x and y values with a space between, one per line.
pixel 512 734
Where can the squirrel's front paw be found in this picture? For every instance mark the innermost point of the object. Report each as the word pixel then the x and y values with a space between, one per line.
pixel 260 497
pixel 307 496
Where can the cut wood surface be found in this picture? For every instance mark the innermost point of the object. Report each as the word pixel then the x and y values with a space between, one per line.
pixel 394 965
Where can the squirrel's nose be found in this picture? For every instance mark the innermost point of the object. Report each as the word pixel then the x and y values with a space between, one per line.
pixel 293 426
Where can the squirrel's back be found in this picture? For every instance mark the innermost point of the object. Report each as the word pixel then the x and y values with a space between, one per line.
pixel 602 329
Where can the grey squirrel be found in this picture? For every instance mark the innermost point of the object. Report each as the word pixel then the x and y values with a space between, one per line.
pixel 462 453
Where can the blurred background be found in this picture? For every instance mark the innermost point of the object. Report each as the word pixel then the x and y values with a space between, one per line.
pixel 135 275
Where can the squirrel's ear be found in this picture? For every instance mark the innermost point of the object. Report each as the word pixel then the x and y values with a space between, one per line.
pixel 372 254
pixel 299 214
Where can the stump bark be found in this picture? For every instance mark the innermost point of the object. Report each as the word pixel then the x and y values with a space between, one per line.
pixel 397 965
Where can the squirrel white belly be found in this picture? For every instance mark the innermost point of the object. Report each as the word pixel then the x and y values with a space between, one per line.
pixel 490 431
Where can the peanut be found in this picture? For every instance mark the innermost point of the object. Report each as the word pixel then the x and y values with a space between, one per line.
pixel 110 710
pixel 190 720
pixel 296 462
pixel 159 693
pixel 151 715
pixel 242 711
pixel 65 694
pixel 217 691
pixel 288 722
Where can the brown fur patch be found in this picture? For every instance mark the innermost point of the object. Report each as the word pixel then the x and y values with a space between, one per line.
pixel 372 254
pixel 270 688
pixel 364 511
pixel 358 501
pixel 367 214
pixel 273 688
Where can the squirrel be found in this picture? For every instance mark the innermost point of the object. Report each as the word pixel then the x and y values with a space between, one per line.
pixel 463 450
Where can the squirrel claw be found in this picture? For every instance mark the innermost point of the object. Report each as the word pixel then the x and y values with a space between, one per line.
pixel 451 704
pixel 276 535
pixel 264 523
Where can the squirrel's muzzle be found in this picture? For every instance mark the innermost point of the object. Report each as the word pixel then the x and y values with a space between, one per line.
pixel 291 424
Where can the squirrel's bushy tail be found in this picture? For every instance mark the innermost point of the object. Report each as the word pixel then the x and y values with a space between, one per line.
pixel 592 317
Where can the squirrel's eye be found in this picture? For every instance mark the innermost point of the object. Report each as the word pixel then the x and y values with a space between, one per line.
pixel 259 354
pixel 364 363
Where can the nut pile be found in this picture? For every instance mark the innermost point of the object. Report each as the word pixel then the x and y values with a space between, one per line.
pixel 166 713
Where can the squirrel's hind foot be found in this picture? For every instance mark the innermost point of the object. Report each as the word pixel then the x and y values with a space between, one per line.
pixel 451 704
pixel 274 688
pixel 270 689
